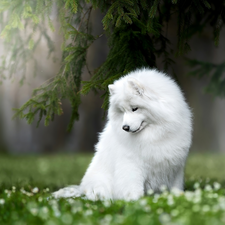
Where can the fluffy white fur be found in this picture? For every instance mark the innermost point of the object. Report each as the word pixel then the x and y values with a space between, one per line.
pixel 145 142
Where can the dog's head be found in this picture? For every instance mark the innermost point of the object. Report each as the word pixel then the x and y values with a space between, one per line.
pixel 128 105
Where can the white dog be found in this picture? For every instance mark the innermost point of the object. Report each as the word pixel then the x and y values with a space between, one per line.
pixel 145 142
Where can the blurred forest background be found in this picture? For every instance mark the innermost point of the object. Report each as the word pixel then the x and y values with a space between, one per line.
pixel 16 136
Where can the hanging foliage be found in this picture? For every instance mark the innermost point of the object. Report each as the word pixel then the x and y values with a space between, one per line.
pixel 136 37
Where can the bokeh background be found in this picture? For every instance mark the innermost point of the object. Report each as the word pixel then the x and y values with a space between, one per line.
pixel 17 137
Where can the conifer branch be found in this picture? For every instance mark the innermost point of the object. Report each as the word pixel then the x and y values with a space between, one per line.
pixel 136 37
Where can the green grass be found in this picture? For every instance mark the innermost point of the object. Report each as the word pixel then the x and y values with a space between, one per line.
pixel 27 181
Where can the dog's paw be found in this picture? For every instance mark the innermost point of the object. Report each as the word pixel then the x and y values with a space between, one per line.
pixel 130 195
pixel 97 193
pixel 71 191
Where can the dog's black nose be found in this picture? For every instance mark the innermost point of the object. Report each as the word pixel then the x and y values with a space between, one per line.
pixel 126 128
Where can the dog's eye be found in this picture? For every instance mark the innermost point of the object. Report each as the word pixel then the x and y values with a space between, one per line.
pixel 134 109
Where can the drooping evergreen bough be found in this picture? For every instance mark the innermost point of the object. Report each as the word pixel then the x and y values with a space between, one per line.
pixel 137 37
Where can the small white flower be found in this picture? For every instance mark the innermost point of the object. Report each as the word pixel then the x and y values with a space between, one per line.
pixel 88 212
pixel 221 201
pixel 57 213
pixel 170 200
pixel 196 185
pixel 107 203
pixel 176 192
pixel 13 189
pixel 150 192
pixel 34 211
pixel 163 188
pixel 216 186
pixel 35 190
pixel 159 211
pixel 205 208
pixel 53 202
pixel 198 192
pixel 147 208
pixel 108 217
pixel 156 197
pixel 143 202
pixel 208 187
pixel 29 194
pixel 189 195
pixel 46 190
pixel 165 218
pixel 71 201
pixel 67 218
pixel 75 209
pixel 2 201
pixel 197 199
pixel 45 210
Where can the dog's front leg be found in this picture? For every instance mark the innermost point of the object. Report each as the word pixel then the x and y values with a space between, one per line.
pixel 129 182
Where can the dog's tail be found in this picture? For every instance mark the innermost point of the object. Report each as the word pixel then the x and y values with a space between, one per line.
pixel 71 191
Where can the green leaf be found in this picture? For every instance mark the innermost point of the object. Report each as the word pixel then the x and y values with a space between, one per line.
pixel 31 44
pixel 35 19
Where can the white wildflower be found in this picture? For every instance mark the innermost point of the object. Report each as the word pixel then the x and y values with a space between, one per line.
pixel 156 197
pixel 150 192
pixel 67 218
pixel 71 201
pixel 208 188
pixel 197 199
pixel 119 219
pixel 35 190
pixel 176 192
pixel 170 200
pixel 34 211
pixel 88 212
pixel 163 188
pixel 221 201
pixel 46 190
pixel 44 210
pixel 189 195
pixel 2 201
pixel 164 218
pixel 29 194
pixel 147 208
pixel 159 211
pixel 205 208
pixel 198 192
pixel 57 213
pixel 107 203
pixel 108 217
pixel 216 186
pixel 196 185
pixel 143 202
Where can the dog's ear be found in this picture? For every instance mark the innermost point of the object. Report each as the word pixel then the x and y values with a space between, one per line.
pixel 135 85
pixel 111 89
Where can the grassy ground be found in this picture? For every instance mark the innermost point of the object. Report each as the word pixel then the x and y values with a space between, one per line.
pixel 26 183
